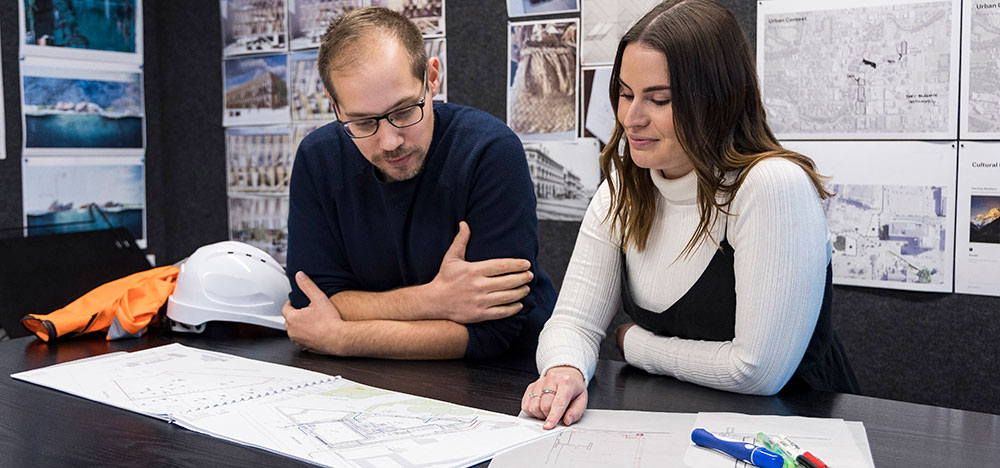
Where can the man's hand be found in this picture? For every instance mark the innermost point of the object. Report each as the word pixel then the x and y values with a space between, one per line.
pixel 470 292
pixel 559 394
pixel 620 336
pixel 315 327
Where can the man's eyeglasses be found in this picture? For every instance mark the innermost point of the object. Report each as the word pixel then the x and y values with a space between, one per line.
pixel 400 118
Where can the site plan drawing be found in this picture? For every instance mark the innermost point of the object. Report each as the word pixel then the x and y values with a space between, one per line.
pixel 891 219
pixel 603 438
pixel 853 69
pixel 321 419
pixel 981 70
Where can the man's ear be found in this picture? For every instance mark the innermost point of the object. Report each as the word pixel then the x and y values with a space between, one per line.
pixel 434 75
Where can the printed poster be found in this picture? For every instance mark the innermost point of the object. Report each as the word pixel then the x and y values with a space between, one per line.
pixel 892 219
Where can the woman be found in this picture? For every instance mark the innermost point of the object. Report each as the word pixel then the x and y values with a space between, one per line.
pixel 708 233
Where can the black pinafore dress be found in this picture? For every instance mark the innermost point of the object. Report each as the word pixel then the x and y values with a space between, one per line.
pixel 707 312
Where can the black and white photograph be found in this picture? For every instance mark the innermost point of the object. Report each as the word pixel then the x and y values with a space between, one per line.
pixel 517 8
pixel 542 79
pixel 80 193
pixel 437 47
pixel 261 221
pixel 253 27
pixel 309 101
pixel 566 175
pixel 259 159
pixel 256 90
pixel 109 30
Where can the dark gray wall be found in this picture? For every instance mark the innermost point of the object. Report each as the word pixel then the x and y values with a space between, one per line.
pixel 929 348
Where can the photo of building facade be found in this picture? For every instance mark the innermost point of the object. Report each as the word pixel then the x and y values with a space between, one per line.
pixel 255 26
pixel 264 91
pixel 259 159
pixel 561 192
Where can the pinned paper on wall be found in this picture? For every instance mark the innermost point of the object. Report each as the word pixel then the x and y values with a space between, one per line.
pixel 977 236
pixel 3 138
pixel 890 228
pixel 74 107
pixel 82 29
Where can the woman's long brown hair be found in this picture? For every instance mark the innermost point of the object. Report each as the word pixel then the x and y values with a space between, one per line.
pixel 718 116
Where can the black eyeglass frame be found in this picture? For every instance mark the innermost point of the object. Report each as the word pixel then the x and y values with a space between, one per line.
pixel 387 116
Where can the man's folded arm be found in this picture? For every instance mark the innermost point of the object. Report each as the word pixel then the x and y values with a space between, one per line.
pixel 390 339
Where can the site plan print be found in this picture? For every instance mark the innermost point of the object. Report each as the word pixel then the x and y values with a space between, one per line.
pixel 984 68
pixel 880 71
pixel 889 234
pixel 341 423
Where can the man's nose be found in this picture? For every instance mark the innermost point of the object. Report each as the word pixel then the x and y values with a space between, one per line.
pixel 389 137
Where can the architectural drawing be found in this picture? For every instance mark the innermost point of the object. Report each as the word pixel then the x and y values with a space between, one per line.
pixel 981 63
pixel 889 233
pixel 885 69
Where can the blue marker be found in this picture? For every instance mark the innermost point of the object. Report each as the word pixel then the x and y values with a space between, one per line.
pixel 742 451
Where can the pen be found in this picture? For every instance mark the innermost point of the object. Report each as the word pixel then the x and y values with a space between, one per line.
pixel 773 446
pixel 806 459
pixel 742 451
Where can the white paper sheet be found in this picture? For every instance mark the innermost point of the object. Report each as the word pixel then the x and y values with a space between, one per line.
pixel 828 439
pixel 980 69
pixel 608 438
pixel 977 236
pixel 892 219
pixel 600 114
pixel 3 139
pixel 860 69
pixel 298 413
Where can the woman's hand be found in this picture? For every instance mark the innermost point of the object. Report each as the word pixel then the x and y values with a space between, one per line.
pixel 559 394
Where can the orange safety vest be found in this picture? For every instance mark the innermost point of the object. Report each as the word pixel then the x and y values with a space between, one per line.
pixel 123 307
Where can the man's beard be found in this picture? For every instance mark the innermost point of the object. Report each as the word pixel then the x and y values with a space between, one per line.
pixel 398 174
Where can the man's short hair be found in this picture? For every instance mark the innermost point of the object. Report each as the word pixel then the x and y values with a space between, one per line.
pixel 361 28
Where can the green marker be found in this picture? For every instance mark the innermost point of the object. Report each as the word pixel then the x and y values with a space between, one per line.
pixel 766 441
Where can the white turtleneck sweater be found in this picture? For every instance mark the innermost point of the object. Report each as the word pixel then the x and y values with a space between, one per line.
pixel 778 232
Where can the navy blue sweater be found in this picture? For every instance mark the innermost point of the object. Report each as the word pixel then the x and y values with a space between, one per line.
pixel 349 231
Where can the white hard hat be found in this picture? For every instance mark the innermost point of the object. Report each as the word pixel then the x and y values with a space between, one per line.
pixel 228 281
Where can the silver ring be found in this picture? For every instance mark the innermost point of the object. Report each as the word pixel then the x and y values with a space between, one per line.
pixel 533 395
pixel 548 390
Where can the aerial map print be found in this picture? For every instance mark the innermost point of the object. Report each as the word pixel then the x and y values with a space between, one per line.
pixel 881 71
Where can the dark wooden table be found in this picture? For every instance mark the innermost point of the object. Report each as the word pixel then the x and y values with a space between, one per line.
pixel 43 427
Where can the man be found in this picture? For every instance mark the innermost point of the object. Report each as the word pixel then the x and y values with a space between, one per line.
pixel 412 229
